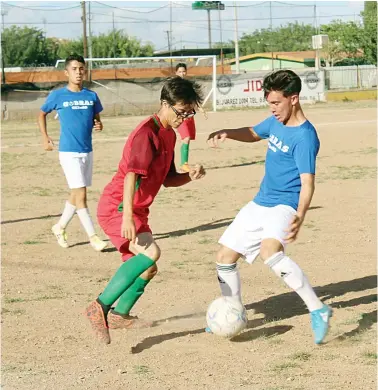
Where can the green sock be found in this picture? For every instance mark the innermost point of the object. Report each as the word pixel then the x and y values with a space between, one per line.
pixel 124 278
pixel 129 298
pixel 184 153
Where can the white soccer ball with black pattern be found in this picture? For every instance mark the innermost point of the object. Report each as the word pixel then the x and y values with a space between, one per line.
pixel 226 317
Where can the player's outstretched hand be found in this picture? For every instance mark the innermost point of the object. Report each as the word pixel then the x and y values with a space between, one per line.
pixel 293 229
pixel 216 137
pixel 97 125
pixel 197 172
pixel 128 229
pixel 48 144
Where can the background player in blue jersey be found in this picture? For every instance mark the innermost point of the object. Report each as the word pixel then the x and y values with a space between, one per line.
pixel 273 219
pixel 79 113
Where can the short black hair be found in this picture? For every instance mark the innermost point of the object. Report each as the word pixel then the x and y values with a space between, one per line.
pixel 178 90
pixel 180 65
pixel 285 81
pixel 74 57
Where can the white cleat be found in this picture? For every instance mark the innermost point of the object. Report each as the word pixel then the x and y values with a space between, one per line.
pixel 97 244
pixel 60 235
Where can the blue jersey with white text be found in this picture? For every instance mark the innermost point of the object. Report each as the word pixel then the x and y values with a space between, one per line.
pixel 76 111
pixel 291 152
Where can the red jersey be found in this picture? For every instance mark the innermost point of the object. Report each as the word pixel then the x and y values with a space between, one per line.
pixel 187 129
pixel 148 152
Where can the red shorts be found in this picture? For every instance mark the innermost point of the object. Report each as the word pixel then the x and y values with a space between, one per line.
pixel 110 220
pixel 187 129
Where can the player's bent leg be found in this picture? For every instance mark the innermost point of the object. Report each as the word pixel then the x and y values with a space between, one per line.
pixel 120 317
pixel 98 311
pixel 145 244
pixel 293 276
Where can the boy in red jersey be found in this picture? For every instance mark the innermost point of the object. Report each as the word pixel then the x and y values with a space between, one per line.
pixel 147 163
pixel 187 129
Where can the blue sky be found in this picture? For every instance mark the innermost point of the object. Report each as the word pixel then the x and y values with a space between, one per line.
pixel 149 20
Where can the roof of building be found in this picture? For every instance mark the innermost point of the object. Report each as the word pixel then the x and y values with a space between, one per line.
pixel 297 56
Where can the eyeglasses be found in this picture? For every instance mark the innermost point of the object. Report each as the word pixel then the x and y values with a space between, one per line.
pixel 184 115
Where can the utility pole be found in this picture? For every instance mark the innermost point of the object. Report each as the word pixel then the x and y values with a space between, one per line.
pixel 90 54
pixel 209 27
pixel 169 41
pixel 170 27
pixel 114 39
pixel 3 13
pixel 317 54
pixel 271 32
pixel 236 41
pixel 84 20
pixel 221 37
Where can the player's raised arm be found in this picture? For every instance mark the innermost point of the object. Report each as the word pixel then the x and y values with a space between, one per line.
pixel 242 134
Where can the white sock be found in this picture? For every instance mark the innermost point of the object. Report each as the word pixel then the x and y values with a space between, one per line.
pixel 67 215
pixel 229 280
pixel 86 221
pixel 293 276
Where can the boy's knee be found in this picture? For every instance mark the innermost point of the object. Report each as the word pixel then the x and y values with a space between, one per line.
pixel 154 253
pixel 269 247
pixel 227 256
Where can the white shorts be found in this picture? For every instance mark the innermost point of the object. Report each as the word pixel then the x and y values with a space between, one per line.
pixel 77 168
pixel 255 223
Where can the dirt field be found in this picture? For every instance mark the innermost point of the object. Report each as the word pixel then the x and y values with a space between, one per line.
pixel 47 343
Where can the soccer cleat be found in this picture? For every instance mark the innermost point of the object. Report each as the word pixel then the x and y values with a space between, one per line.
pixel 208 330
pixel 60 235
pixel 118 321
pixel 96 316
pixel 185 168
pixel 97 244
pixel 320 323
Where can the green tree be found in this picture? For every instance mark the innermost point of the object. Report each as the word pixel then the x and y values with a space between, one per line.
pixel 27 46
pixel 369 45
pixel 68 47
pixel 345 41
pixel 118 44
pixel 293 37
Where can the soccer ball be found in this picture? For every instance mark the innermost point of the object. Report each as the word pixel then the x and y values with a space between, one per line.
pixel 226 317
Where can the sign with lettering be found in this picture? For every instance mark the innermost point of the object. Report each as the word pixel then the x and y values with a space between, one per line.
pixel 236 91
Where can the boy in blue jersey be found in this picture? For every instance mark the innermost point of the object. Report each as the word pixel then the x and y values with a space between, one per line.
pixel 273 219
pixel 79 113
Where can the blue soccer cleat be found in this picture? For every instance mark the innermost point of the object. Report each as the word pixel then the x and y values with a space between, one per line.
pixel 208 330
pixel 320 323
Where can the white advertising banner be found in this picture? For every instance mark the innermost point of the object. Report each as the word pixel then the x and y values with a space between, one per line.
pixel 244 91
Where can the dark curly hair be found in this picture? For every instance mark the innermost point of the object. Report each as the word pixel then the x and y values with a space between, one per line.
pixel 285 81
pixel 177 90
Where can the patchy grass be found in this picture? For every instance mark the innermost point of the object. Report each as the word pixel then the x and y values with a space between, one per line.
pixel 140 370
pixel 14 300
pixel 40 191
pixel 302 356
pixel 205 240
pixel 31 242
pixel 178 264
pixel 353 172
pixel 285 366
pixel 16 312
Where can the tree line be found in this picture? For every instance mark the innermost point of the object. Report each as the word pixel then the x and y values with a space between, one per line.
pixel 349 42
